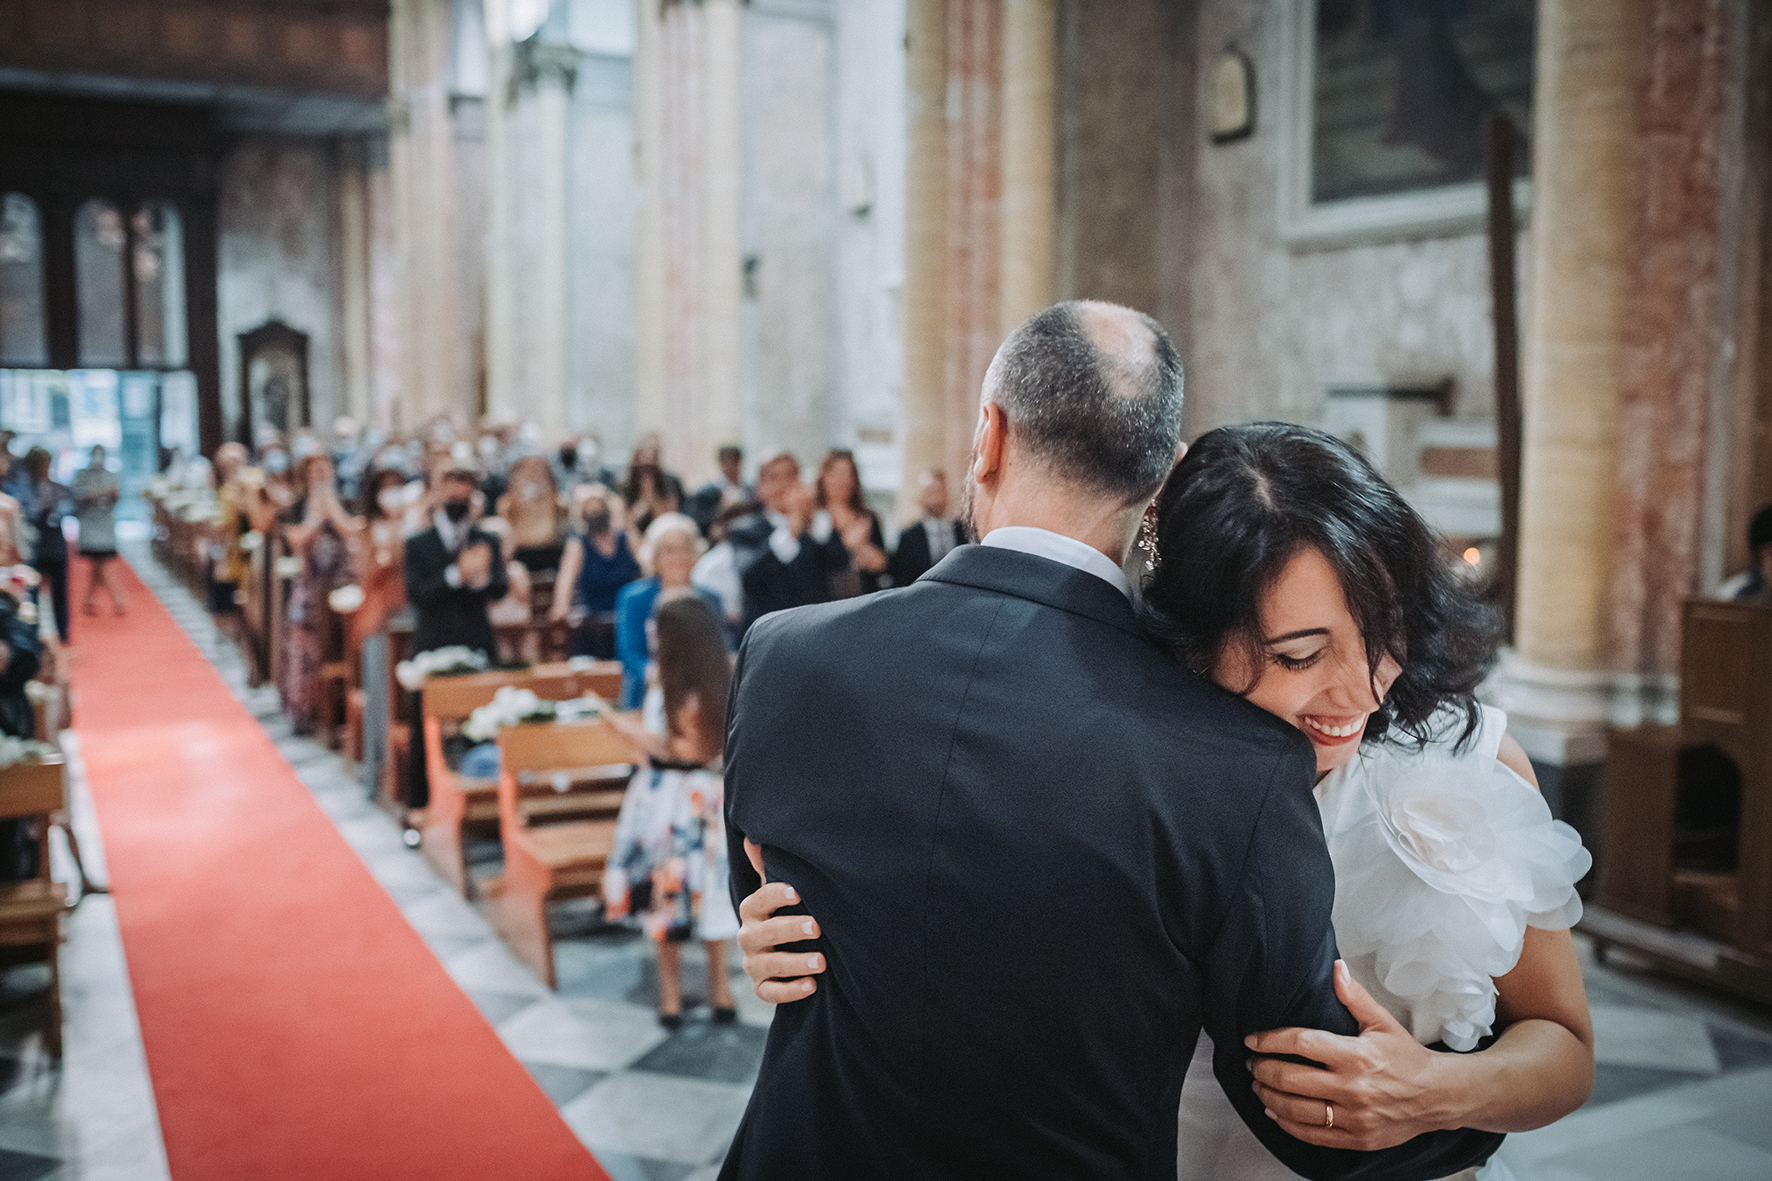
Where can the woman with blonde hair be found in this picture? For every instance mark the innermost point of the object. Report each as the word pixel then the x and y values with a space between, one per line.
pixel 532 506
pixel 668 555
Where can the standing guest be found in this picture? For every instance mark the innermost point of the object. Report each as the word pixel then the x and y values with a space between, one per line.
pixel 718 570
pixel 321 538
pixel 230 564
pixel 384 504
pixel 1755 585
pixel 96 491
pixel 668 865
pixel 12 521
pixel 21 653
pixel 668 556
pixel 930 539
pixel 840 502
pixel 580 461
pixel 452 572
pixel 727 492
pixel 781 561
pixel 531 504
pixel 43 502
pixel 595 566
pixel 650 494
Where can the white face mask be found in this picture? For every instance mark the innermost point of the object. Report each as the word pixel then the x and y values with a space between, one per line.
pixel 392 499
pixel 587 453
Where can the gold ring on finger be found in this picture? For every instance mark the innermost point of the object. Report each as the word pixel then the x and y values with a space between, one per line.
pixel 1328 1115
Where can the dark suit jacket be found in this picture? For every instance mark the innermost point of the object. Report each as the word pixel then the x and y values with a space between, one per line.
pixel 911 559
pixel 1042 854
pixel 446 614
pixel 772 585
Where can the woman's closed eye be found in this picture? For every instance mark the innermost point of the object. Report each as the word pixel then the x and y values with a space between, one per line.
pixel 1297 660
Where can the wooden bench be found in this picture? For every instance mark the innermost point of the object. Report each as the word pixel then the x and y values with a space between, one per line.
pixel 31 911
pixel 552 862
pixel 457 802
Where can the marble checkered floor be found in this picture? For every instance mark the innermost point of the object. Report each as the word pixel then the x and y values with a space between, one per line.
pixel 1685 1078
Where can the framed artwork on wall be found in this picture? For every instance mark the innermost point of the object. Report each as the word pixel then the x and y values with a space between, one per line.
pixel 1383 127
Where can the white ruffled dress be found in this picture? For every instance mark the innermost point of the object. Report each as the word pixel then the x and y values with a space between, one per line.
pixel 1443 857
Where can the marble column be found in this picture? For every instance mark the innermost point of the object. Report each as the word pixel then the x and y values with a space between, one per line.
pixel 550 70
pixel 926 248
pixel 501 344
pixel 717 419
pixel 1030 63
pixel 974 214
pixel 1557 682
pixel 650 335
pixel 352 278
pixel 1674 342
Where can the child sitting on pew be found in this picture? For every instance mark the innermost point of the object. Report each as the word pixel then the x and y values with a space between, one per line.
pixel 668 866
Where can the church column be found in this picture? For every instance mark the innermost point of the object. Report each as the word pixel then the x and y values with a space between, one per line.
pixel 1030 56
pixel 551 70
pixel 925 231
pixel 718 419
pixel 353 280
pixel 501 378
pixel 1557 681
pixel 650 338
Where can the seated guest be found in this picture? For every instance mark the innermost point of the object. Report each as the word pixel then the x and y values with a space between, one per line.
pixel 840 503
pixel 649 490
pixel 929 540
pixel 782 562
pixel 20 657
pixel 1755 585
pixel 727 492
pixel 668 555
pixel 452 572
pixel 580 462
pixel 595 566
pixel 531 504
pixel 237 491
pixel 515 609
pixel 44 502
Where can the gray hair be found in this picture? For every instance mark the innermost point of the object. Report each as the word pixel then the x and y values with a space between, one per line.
pixel 1108 420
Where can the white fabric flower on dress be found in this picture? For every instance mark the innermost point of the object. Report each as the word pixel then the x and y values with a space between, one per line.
pixel 1443 858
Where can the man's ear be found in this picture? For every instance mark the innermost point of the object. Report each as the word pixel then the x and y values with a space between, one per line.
pixel 992 439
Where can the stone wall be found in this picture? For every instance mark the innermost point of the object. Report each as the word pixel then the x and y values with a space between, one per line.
pixel 276 260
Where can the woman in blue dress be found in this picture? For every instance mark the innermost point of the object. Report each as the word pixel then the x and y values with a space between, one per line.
pixel 669 552
pixel 594 567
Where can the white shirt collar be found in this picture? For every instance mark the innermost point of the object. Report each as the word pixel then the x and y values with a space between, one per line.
pixel 1056 547
pixel 451 534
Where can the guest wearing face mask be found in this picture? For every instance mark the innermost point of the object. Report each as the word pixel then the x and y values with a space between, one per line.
pixel 452 572
pixel 580 461
pixel 593 569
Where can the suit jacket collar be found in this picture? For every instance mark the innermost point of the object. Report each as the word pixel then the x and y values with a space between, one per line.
pixel 1040 580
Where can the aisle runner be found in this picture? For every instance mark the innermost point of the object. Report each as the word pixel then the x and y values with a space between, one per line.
pixel 295 1025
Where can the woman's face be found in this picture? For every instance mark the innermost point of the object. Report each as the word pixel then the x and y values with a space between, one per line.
pixel 1313 672
pixel 839 482
pixel 673 559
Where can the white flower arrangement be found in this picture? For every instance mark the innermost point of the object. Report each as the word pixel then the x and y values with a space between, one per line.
pixel 454 659
pixel 345 599
pixel 23 750
pixel 288 566
pixel 249 542
pixel 510 706
pixel 37 691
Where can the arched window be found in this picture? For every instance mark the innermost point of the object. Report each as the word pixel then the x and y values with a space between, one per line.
pixel 23 335
pixel 99 240
pixel 159 260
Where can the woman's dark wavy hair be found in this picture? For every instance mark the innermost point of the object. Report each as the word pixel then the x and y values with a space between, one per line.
pixel 1245 499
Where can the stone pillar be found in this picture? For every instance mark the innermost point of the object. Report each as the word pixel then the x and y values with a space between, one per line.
pixel 1030 63
pixel 1557 683
pixel 926 248
pixel 692 453
pixel 550 69
pixel 650 338
pixel 974 222
pixel 353 299
pixel 501 375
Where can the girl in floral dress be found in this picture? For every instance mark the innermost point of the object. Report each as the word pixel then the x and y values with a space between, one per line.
pixel 668 867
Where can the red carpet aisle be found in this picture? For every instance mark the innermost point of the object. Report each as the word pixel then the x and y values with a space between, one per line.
pixel 295 1025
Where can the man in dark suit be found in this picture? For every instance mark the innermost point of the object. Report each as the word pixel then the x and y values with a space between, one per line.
pixel 784 558
pixel 452 572
pixel 927 541
pixel 1042 853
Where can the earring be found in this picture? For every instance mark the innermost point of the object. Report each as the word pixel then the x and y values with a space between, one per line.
pixel 1147 538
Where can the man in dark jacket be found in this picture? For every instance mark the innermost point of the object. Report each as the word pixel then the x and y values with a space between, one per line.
pixel 21 654
pixel 1041 852
pixel 452 572
pixel 928 540
pixel 785 557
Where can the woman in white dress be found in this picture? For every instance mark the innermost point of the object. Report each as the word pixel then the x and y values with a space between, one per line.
pixel 1280 565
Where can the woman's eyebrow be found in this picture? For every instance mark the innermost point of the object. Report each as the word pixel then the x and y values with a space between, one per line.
pixel 1297 635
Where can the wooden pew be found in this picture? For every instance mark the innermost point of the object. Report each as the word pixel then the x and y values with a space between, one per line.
pixel 31 911
pixel 553 862
pixel 457 802
pixel 1656 894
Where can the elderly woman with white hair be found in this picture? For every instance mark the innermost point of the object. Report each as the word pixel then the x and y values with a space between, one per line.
pixel 667 556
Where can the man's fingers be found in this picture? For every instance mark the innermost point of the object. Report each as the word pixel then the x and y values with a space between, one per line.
pixel 766 901
pixel 781 992
pixel 756 938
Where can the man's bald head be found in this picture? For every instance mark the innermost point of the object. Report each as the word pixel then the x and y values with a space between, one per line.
pixel 1092 392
